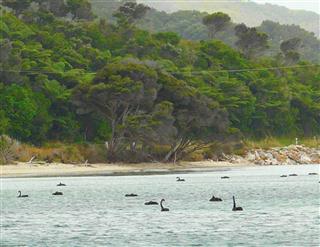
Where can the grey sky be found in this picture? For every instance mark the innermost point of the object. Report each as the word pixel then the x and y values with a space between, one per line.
pixel 312 5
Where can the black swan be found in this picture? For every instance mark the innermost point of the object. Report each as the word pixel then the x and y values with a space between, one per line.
pixel 180 179
pixel 313 173
pixel 61 184
pixel 57 193
pixel 215 199
pixel 283 176
pixel 151 203
pixel 235 208
pixel 22 195
pixel 293 175
pixel 163 208
pixel 131 195
pixel 225 177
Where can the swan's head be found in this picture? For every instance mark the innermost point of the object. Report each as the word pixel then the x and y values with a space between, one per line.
pixel 163 200
pixel 19 191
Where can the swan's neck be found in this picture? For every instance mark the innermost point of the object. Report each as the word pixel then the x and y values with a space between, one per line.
pixel 19 193
pixel 161 204
pixel 234 202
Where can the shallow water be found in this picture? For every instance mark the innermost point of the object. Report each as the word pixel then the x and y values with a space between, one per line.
pixel 94 212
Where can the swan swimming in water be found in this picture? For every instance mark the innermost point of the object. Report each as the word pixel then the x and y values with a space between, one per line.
pixel 131 195
pixel 235 208
pixel 225 177
pixel 180 179
pixel 57 193
pixel 283 176
pixel 215 199
pixel 163 208
pixel 151 203
pixel 293 175
pixel 313 173
pixel 22 195
pixel 61 184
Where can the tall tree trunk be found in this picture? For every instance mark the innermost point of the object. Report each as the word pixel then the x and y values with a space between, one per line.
pixel 172 151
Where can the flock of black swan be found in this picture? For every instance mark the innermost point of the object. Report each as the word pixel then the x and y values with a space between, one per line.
pixel 163 209
pixel 57 193
pixel 295 175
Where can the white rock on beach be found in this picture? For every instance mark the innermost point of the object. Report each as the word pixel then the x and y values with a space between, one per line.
pixel 291 155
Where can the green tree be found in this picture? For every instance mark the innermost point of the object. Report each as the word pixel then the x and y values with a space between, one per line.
pixel 118 92
pixel 290 50
pixel 80 9
pixel 56 7
pixel 251 42
pixel 4 122
pixel 216 22
pixel 20 108
pixel 198 119
pixel 18 6
pixel 168 37
pixel 130 12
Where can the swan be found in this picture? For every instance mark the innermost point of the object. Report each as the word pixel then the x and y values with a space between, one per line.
pixel 215 199
pixel 131 195
pixel 225 177
pixel 151 203
pixel 163 208
pixel 293 175
pixel 22 195
pixel 313 173
pixel 61 184
pixel 57 193
pixel 235 208
pixel 283 176
pixel 180 179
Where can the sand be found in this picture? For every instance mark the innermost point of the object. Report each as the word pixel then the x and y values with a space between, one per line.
pixel 58 169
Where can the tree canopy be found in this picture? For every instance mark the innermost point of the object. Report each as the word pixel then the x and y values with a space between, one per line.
pixel 146 96
pixel 216 22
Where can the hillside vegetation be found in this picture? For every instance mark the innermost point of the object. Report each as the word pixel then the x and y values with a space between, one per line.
pixel 146 96
pixel 188 24
pixel 248 12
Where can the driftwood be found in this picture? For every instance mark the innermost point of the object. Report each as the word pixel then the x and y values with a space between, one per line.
pixel 32 158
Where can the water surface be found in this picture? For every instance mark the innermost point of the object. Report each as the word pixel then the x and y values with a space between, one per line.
pixel 94 212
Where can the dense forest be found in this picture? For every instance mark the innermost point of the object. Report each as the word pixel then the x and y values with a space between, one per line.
pixel 67 76
pixel 188 24
pixel 249 12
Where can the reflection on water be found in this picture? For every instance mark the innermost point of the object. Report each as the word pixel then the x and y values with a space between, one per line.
pixel 94 211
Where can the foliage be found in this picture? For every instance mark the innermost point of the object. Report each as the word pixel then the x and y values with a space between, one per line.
pixel 188 24
pixel 216 22
pixel 249 12
pixel 290 49
pixel 251 42
pixel 146 96
pixel 8 147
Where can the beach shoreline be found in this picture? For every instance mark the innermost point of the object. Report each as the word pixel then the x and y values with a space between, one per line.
pixel 26 170
pixel 34 170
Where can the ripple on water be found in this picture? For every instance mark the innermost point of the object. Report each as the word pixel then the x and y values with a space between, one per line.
pixel 277 211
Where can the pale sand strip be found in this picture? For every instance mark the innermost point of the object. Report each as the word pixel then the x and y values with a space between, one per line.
pixel 58 169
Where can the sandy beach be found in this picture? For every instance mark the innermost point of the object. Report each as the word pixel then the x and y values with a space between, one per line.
pixel 58 169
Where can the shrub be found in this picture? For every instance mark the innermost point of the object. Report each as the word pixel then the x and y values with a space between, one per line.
pixel 8 149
